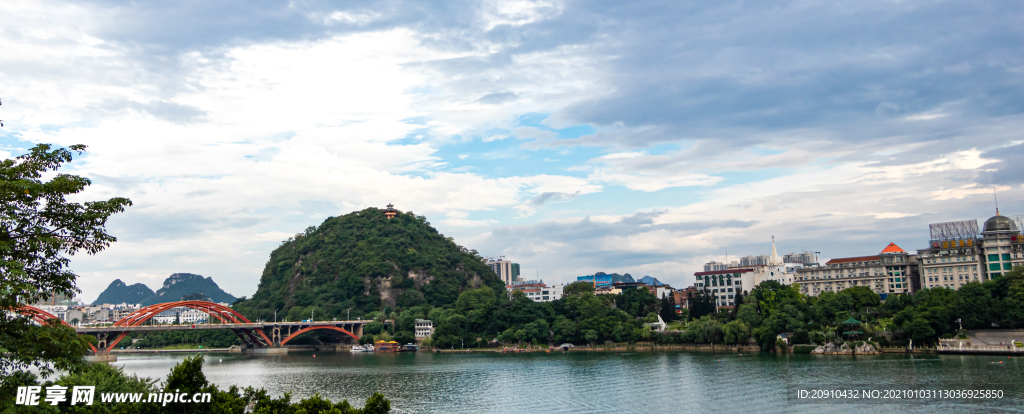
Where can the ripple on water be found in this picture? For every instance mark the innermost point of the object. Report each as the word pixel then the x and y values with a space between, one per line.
pixel 575 382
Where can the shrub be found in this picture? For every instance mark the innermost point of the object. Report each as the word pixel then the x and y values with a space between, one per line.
pixel 801 337
pixel 803 349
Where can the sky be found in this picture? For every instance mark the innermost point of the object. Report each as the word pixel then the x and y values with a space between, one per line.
pixel 571 137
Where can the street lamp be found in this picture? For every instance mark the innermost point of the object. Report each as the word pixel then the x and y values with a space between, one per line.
pixel 348 316
pixel 275 315
pixel 311 314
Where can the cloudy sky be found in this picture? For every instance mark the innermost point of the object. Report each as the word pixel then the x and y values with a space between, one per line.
pixel 571 137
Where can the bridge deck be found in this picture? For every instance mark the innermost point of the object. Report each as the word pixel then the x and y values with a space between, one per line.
pixel 202 326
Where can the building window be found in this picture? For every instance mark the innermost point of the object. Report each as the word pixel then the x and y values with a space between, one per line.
pixel 993 257
pixel 993 266
pixel 1006 257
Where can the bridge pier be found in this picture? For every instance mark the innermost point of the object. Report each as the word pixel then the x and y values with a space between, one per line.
pixel 266 351
pixel 102 357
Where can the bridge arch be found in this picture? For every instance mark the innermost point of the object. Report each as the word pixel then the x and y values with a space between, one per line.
pixel 40 316
pixel 223 313
pixel 307 329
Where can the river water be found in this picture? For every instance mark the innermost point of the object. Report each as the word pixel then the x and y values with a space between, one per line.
pixel 624 382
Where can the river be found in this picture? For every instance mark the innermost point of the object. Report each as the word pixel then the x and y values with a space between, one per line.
pixel 624 382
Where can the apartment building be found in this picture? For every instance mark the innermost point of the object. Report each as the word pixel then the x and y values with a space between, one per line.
pixel 725 284
pixel 892 271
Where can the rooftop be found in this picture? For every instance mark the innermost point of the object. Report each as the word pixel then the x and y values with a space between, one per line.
pixel 854 259
pixel 893 248
pixel 723 272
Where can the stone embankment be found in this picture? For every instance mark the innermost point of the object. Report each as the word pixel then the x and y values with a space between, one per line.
pixel 844 349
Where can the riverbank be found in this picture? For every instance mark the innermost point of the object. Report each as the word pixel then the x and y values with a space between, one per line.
pixel 659 348
pixel 169 350
pixel 613 348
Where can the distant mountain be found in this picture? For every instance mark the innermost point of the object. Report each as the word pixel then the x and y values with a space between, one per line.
pixel 180 285
pixel 651 281
pixel 176 287
pixel 628 278
pixel 119 292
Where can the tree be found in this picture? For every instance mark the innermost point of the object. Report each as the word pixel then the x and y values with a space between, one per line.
pixel 39 231
pixel 736 332
pixel 701 304
pixel 748 314
pixel 578 287
pixel 772 295
pixel 637 302
pixel 707 329
pixel 765 338
pixel 975 305
pixel 199 296
pixel 864 296
pixel 668 310
pixel 920 331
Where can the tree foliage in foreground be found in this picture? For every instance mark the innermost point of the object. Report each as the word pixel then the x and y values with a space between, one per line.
pixel 39 231
pixel 185 377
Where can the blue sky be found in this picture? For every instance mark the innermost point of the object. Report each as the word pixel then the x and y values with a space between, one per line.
pixel 571 137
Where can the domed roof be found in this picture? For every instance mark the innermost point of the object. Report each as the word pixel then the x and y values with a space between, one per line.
pixel 1000 223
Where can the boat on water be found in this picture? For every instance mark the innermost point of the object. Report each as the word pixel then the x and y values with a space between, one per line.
pixel 388 346
pixel 410 347
pixel 362 348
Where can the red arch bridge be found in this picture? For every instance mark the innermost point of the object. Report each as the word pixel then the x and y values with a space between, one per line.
pixel 254 335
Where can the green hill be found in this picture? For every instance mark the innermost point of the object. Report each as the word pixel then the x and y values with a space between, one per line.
pixel 118 292
pixel 365 262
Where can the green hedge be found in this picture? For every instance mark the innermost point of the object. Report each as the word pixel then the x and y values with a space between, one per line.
pixel 803 349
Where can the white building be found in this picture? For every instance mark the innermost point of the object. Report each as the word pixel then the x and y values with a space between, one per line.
pixel 724 285
pixel 183 315
pixel 424 328
pixel 774 270
pixel 537 291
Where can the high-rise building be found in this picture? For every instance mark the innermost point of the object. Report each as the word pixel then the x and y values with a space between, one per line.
pixel 502 268
pixel 760 260
pixel 713 266
pixel 805 258
pixel 515 272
